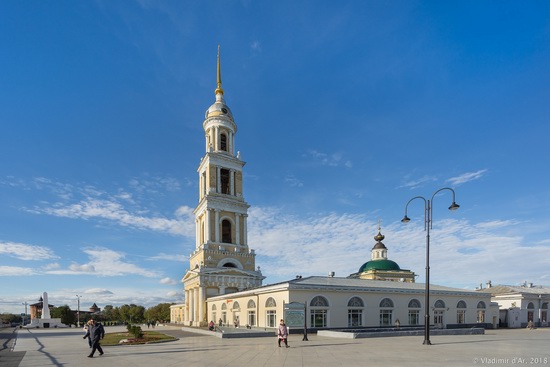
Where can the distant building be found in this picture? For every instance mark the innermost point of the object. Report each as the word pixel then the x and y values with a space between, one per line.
pixel 37 308
pixel 94 309
pixel 520 304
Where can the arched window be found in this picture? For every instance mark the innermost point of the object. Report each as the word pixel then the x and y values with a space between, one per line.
pixel 213 307
pixel 319 312
pixel 414 312
pixel 226 231
pixel 439 304
pixel 356 302
pixel 224 306
pixel 319 301
pixel 251 304
pixel 270 315
pixel 224 181
pixel 461 312
pixel 530 306
pixel 414 303
pixel 223 142
pixel 229 265
pixel 386 312
pixel 355 312
pixel 270 302
pixel 481 311
pixel 236 305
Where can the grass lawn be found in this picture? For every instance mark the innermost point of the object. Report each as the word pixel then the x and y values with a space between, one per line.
pixel 148 337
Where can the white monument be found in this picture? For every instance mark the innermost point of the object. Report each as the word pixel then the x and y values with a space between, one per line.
pixel 45 321
pixel 45 307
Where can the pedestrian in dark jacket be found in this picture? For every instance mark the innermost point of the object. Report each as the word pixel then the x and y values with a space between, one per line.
pixel 96 332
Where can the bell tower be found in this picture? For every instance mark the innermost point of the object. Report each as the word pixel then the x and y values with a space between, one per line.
pixel 222 261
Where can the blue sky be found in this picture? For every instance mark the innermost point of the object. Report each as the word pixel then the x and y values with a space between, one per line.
pixel 345 111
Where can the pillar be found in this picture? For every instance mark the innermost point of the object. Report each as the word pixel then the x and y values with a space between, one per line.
pixel 237 228
pixel 217 224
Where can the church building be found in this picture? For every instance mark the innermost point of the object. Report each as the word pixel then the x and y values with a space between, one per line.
pixel 224 285
pixel 222 262
pixel 380 267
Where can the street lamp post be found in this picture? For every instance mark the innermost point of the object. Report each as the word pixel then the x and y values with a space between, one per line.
pixel 25 316
pixel 78 310
pixel 427 226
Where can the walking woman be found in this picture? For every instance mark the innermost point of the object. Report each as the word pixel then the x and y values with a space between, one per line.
pixel 282 333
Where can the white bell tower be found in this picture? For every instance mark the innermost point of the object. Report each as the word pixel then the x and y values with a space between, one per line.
pixel 222 261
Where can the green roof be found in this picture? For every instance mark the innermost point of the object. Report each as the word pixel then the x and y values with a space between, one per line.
pixel 379 265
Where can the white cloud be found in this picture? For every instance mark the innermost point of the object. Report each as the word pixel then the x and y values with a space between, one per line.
pixel 51 266
pixel 414 184
pixel 116 213
pixel 173 294
pixel 466 177
pixel 98 291
pixel 26 252
pixel 293 181
pixel 15 271
pixel 105 262
pixel 462 253
pixel 169 257
pixel 256 46
pixel 168 281
pixel 110 263
pixel 331 160
pixel 84 268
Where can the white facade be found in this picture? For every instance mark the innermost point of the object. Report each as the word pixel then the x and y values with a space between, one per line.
pixel 521 304
pixel 341 303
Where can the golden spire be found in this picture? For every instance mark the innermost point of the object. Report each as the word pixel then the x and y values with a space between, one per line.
pixel 219 89
pixel 379 237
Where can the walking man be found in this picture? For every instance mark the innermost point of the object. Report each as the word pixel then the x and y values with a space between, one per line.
pixel 96 332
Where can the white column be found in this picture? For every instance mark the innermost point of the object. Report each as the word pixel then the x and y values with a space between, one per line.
pixel 207 227
pixel 196 302
pixel 197 234
pixel 191 308
pixel 231 143
pixel 185 308
pixel 237 228
pixel 216 139
pixel 245 237
pixel 218 180
pixel 217 224
pixel 232 182
pixel 201 304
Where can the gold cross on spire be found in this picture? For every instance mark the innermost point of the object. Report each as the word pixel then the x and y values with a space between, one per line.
pixel 219 89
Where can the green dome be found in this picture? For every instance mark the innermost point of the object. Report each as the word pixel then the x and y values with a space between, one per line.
pixel 383 264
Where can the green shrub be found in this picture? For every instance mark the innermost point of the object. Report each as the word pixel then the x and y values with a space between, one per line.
pixel 136 332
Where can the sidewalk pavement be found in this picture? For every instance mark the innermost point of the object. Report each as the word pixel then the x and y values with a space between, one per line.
pixel 66 348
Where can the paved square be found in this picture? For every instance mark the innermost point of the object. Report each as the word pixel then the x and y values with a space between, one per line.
pixel 65 347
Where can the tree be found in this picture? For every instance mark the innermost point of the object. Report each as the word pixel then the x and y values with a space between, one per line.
pixel 64 313
pixel 124 313
pixel 160 312
pixel 8 318
pixel 137 313
pixel 108 313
